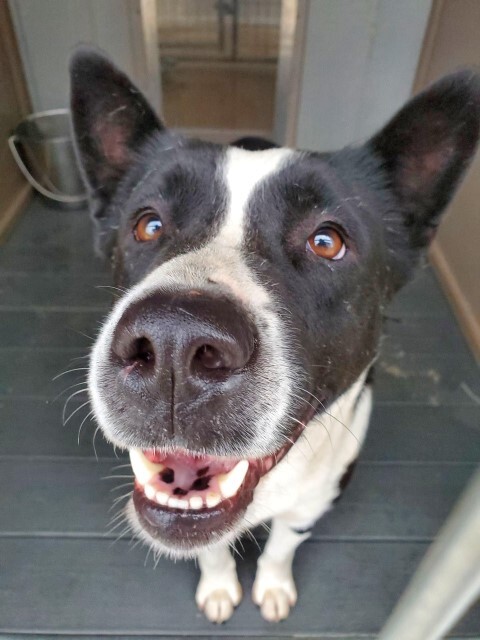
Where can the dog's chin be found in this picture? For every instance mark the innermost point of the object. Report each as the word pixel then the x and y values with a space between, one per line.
pixel 184 502
pixel 185 532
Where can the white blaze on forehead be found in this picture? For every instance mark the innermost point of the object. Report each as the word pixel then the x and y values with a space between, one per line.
pixel 244 171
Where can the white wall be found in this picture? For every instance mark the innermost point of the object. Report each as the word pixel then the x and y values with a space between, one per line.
pixel 359 66
pixel 48 30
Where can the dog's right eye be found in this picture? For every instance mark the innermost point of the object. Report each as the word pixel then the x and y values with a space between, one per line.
pixel 149 227
pixel 327 243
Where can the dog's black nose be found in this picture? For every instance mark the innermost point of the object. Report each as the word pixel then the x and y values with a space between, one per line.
pixel 186 340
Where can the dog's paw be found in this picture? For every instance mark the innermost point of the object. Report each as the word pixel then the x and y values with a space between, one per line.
pixel 218 600
pixel 274 593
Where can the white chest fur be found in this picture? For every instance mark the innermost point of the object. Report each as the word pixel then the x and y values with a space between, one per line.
pixel 305 483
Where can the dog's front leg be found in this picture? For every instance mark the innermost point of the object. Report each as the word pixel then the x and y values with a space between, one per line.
pixel 219 590
pixel 274 588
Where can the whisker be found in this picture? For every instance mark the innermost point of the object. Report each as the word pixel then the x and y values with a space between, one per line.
pixel 125 531
pixel 251 536
pixel 295 395
pixel 239 541
pixel 235 551
pixel 76 411
pixel 340 422
pixel 330 414
pixel 117 500
pixel 65 406
pixel 72 386
pixel 85 335
pixel 109 286
pixel 321 424
pixel 93 442
pixel 324 426
pixel 116 517
pixel 121 486
pixel 119 524
pixel 157 560
pixel 80 357
pixel 265 526
pixel 89 415
pixel 136 543
pixel 150 548
pixel 64 373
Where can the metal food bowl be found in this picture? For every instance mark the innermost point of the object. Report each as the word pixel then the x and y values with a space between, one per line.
pixel 42 146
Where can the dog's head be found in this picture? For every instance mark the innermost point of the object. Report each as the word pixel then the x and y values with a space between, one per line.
pixel 254 285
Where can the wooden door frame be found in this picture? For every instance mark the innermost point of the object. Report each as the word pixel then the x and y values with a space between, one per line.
pixel 293 27
pixel 144 32
pixel 467 319
pixel 9 40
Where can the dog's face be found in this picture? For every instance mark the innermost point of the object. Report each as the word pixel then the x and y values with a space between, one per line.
pixel 254 285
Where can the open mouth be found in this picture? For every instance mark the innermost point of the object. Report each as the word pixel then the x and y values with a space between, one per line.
pixel 185 500
pixel 185 481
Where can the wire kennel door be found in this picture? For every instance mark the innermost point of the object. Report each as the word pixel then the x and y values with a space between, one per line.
pixel 219 30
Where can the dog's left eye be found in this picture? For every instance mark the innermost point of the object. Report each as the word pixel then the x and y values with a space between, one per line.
pixel 149 227
pixel 327 243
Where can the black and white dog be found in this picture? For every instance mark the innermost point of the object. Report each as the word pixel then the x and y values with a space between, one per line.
pixel 235 368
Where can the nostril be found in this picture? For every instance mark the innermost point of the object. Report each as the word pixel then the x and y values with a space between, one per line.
pixel 141 351
pixel 209 357
pixel 176 344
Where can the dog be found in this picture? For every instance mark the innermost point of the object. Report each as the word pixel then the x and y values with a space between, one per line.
pixel 236 368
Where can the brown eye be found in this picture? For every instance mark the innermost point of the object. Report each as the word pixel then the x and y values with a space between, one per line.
pixel 327 243
pixel 149 227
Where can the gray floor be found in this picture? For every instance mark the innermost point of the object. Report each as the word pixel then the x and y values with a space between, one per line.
pixel 61 571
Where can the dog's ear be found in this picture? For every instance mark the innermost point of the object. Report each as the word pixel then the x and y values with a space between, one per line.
pixel 426 148
pixel 111 118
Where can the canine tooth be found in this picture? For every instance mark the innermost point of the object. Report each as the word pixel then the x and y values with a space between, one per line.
pixel 142 467
pixel 230 482
pixel 161 497
pixel 212 499
pixel 149 491
pixel 196 502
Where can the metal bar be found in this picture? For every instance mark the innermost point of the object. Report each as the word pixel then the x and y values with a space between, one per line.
pixel 447 581
pixel 221 25
pixel 234 29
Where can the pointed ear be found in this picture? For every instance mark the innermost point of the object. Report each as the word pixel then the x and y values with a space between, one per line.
pixel 426 148
pixel 111 119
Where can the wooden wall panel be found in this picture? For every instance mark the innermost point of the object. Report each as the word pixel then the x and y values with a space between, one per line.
pixel 452 41
pixel 14 105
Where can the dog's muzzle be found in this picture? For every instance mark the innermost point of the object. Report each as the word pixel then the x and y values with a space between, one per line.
pixel 183 376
